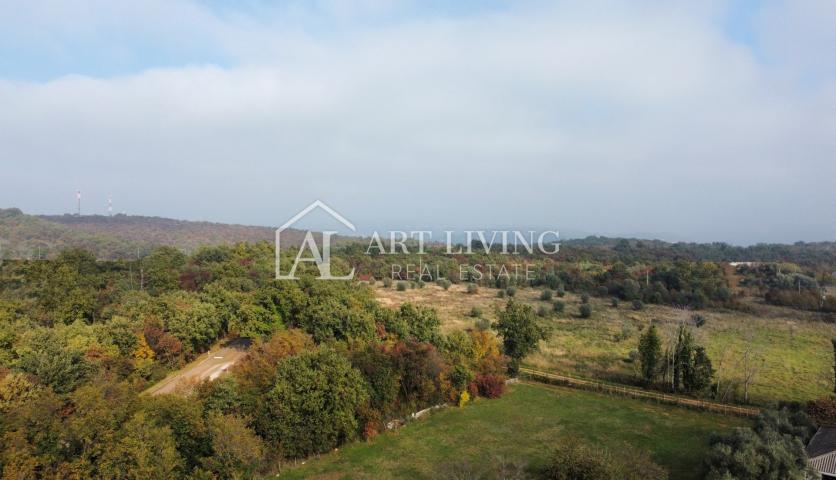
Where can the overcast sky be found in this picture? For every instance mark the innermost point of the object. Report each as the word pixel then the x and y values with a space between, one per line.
pixel 703 120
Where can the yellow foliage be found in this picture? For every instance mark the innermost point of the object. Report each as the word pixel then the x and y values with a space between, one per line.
pixel 143 350
pixel 485 344
pixel 464 398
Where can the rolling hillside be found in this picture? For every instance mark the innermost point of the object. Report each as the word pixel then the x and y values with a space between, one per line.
pixel 120 236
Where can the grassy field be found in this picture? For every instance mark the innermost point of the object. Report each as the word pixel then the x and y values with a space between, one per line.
pixel 524 424
pixel 793 350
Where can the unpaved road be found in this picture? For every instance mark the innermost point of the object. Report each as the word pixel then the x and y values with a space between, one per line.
pixel 208 366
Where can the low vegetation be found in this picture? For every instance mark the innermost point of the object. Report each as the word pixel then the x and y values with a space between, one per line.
pixel 521 431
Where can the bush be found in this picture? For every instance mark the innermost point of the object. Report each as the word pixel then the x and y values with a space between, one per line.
pixel 559 306
pixel 402 286
pixel 698 319
pixel 511 291
pixel 475 312
pixel 421 284
pixel 490 386
pixel 387 282
pixel 472 288
pixel 585 298
pixel 561 293
pixel 542 311
pixel 577 460
pixel 500 294
pixel 626 332
pixel 443 283
pixel 638 304
pixel 585 310
pixel 633 356
pixel 614 303
pixel 483 324
pixel 602 291
pixel 546 295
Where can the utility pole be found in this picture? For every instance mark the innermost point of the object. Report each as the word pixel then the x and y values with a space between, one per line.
pixel 78 202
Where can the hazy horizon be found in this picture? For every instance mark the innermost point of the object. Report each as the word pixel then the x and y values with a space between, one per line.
pixel 319 223
pixel 707 122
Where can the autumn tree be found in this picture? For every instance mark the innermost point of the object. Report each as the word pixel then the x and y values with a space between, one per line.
pixel 520 332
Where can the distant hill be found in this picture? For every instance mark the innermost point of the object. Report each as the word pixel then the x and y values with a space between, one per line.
pixel 125 236
pixel 119 236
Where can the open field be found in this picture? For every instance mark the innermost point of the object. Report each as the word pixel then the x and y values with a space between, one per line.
pixel 791 348
pixel 524 424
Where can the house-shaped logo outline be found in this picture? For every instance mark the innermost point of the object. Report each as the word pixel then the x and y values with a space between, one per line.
pixel 313 206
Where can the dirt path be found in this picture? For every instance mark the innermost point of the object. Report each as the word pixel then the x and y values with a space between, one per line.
pixel 208 366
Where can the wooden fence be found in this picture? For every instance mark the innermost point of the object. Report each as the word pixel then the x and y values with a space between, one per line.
pixel 553 378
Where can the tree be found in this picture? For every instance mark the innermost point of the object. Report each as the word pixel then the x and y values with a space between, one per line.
pixel 236 450
pixel 313 405
pixel 144 451
pixel 161 270
pixel 381 374
pixel 772 450
pixel 46 354
pixel 257 371
pixel 520 332
pixel 699 376
pixel 650 353
pixel 193 322
pixel 751 363
pixel 184 417
pixel 682 361
pixel 422 323
pixel 15 390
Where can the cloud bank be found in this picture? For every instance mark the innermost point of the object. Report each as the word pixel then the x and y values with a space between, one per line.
pixel 701 122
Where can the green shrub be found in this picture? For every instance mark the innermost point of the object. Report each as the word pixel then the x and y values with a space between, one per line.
pixel 402 286
pixel 614 303
pixel 638 304
pixel 578 460
pixel 475 312
pixel 387 282
pixel 585 298
pixel 546 295
pixel 472 288
pixel 602 291
pixel 559 306
pixel 511 291
pixel 699 320
pixel 585 310
pixel 483 324
pixel 500 294
pixel 542 311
